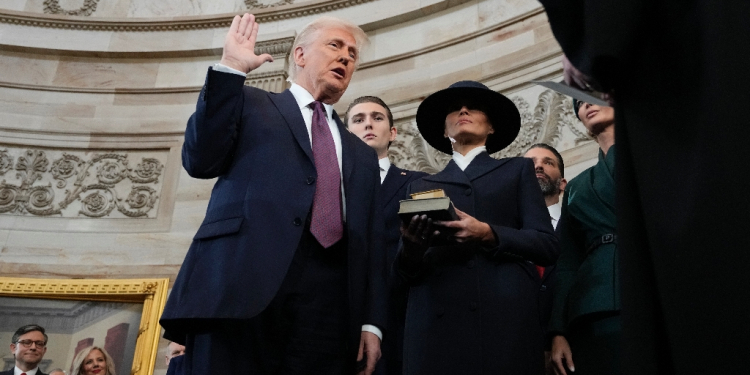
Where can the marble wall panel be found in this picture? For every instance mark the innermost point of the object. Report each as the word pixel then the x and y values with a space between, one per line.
pixel 181 73
pixel 13 4
pixel 75 72
pixel 27 69
pixel 178 40
pixel 171 8
pixel 54 38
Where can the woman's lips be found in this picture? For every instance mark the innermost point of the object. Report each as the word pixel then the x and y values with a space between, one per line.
pixel 592 114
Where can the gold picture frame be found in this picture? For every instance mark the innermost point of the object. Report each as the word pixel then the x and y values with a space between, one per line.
pixel 151 293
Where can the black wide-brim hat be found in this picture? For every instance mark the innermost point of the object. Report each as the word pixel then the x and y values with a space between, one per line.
pixel 500 111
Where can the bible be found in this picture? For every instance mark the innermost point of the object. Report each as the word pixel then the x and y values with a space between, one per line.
pixel 437 206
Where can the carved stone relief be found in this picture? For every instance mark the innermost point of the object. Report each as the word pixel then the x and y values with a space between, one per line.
pixel 53 7
pixel 552 114
pixel 80 183
pixel 258 4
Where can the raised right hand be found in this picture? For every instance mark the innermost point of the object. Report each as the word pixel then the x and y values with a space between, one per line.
pixel 239 45
pixel 561 356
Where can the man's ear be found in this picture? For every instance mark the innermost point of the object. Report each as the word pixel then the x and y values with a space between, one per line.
pixel 563 184
pixel 394 132
pixel 299 56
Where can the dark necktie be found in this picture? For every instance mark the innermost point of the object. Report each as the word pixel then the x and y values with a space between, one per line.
pixel 326 224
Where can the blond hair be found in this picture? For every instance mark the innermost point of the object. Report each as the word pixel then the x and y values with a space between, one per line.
pixel 81 356
pixel 305 37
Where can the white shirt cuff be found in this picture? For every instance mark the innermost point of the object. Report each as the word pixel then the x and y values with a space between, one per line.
pixel 223 68
pixel 372 329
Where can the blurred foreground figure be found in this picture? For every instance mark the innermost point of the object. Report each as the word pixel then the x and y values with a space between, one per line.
pixel 677 70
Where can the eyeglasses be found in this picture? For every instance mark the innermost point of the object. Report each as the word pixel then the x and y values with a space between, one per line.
pixel 27 343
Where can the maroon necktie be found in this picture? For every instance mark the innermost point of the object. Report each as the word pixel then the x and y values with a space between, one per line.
pixel 326 225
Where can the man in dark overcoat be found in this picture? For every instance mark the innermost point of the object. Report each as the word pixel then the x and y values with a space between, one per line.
pixel 473 305
pixel 678 71
pixel 285 275
pixel 370 119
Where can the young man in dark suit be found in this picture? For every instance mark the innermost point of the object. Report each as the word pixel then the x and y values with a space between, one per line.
pixel 28 345
pixel 370 119
pixel 285 275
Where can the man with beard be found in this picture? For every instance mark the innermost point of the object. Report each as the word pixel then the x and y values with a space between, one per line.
pixel 550 172
pixel 28 345
pixel 549 168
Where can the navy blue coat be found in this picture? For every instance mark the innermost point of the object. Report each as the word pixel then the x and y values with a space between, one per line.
pixel 472 309
pixel 257 144
pixel 392 190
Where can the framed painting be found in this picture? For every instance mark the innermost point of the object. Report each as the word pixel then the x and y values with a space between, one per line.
pixel 121 316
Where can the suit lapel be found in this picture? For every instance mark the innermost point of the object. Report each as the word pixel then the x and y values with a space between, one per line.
pixel 452 174
pixel 393 182
pixel 481 165
pixel 287 106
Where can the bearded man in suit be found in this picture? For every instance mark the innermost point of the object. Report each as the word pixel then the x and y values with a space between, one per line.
pixel 370 119
pixel 285 275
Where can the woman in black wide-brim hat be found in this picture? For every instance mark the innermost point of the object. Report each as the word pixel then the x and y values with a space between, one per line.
pixel 473 304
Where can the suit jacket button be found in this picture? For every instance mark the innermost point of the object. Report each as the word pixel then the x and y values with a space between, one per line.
pixel 473 306
pixel 310 180
pixel 297 221
pixel 468 191
pixel 440 311
pixel 543 288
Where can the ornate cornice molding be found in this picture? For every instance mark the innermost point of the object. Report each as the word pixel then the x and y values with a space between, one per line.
pixel 178 23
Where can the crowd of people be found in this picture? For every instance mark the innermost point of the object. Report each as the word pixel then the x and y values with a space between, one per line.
pixel 303 265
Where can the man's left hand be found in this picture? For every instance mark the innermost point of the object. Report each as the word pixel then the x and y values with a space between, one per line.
pixel 469 229
pixel 370 344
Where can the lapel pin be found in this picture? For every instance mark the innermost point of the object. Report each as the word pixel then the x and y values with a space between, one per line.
pixel 403 173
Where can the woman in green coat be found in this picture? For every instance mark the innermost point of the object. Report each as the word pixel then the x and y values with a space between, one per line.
pixel 585 323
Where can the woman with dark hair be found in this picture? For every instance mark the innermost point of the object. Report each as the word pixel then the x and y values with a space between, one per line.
pixel 93 361
pixel 585 323
pixel 472 305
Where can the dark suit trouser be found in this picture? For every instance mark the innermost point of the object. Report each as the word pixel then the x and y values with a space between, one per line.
pixel 302 331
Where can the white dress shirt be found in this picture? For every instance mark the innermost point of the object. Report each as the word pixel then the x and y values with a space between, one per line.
pixel 463 161
pixel 17 371
pixel 385 165
pixel 554 213
pixel 304 98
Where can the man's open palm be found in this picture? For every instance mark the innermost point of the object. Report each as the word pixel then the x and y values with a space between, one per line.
pixel 239 45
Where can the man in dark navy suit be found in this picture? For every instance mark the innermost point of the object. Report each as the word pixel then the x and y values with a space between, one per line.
pixel 285 275
pixel 550 172
pixel 370 119
pixel 28 345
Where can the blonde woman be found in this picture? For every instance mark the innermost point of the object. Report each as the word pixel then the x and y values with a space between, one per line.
pixel 93 361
